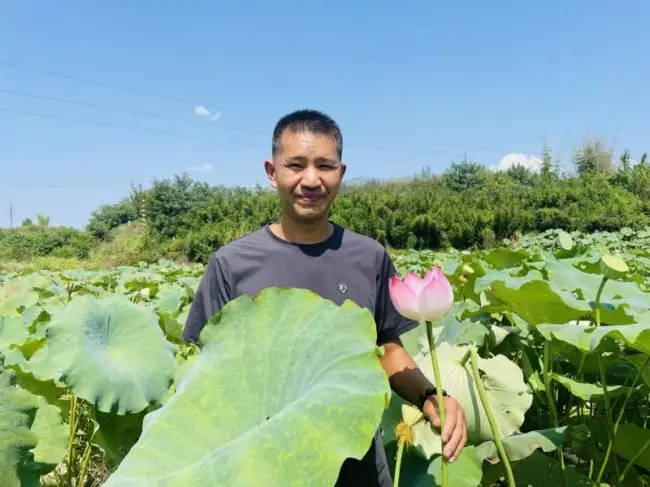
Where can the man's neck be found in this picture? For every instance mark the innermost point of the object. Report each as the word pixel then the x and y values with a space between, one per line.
pixel 301 232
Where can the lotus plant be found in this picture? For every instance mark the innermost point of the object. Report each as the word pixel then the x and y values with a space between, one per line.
pixel 427 300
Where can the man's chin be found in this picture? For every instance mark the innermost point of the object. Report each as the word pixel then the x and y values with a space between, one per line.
pixel 310 213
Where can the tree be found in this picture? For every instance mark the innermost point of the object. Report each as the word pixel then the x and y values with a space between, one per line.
pixel 464 175
pixel 626 161
pixel 594 157
pixel 43 220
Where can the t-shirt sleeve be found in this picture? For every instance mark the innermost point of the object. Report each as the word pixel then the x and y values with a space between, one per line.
pixel 390 324
pixel 212 294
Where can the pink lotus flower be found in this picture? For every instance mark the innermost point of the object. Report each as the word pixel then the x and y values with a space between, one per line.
pixel 428 298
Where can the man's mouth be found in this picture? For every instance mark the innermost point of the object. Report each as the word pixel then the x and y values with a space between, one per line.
pixel 310 198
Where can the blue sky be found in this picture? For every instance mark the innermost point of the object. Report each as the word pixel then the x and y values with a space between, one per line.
pixel 412 84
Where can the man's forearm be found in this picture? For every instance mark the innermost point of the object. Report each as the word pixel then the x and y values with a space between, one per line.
pixel 406 379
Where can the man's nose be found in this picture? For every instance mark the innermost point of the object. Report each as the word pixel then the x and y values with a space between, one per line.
pixel 310 177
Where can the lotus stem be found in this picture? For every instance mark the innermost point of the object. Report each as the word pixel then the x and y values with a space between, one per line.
pixel 398 463
pixel 546 374
pixel 84 463
pixel 611 428
pixel 597 303
pixel 72 424
pixel 466 357
pixel 493 425
pixel 441 403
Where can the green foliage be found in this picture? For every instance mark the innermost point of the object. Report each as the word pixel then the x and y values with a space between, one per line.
pixel 34 241
pixel 423 213
pixel 559 329
pixel 108 217
pixel 464 176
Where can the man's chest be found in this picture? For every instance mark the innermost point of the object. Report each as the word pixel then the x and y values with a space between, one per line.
pixel 330 276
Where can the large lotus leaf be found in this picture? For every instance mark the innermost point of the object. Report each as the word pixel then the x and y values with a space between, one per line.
pixel 17 410
pixel 566 277
pixel 503 258
pixel 52 435
pixel 538 302
pixel 116 434
pixel 630 440
pixel 587 391
pixel 20 293
pixel 520 446
pixel 13 331
pixel 540 470
pixel 588 338
pixel 286 387
pixel 508 396
pixel 109 352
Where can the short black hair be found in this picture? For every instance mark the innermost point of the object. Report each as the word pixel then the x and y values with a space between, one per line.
pixel 310 121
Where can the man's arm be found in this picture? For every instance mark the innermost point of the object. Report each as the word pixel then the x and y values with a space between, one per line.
pixel 213 293
pixel 408 381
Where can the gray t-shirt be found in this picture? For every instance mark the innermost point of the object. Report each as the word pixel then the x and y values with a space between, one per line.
pixel 345 266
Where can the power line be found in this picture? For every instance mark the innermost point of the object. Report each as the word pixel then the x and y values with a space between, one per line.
pixel 124 110
pixel 179 99
pixel 188 136
pixel 126 127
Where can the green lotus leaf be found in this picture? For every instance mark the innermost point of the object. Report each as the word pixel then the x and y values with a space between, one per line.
pixel 538 302
pixel 566 241
pixel 520 446
pixel 52 435
pixel 109 352
pixel 286 387
pixel 588 338
pixel 587 391
pixel 20 293
pixel 13 331
pixel 17 411
pixel 540 470
pixel 630 440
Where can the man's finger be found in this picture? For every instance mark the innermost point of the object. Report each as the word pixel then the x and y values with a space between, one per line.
pixel 450 423
pixel 452 445
pixel 458 445
pixel 434 417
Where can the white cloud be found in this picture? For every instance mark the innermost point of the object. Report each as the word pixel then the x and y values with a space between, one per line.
pixel 201 111
pixel 202 168
pixel 517 158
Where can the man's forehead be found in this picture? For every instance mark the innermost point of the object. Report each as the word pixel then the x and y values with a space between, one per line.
pixel 309 145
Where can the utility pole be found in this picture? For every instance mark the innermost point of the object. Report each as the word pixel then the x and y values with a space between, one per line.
pixel 11 214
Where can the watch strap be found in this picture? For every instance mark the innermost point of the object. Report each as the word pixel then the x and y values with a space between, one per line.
pixel 427 393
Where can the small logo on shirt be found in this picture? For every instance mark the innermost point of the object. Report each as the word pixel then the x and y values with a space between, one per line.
pixel 343 287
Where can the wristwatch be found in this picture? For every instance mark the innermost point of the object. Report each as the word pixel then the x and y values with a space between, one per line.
pixel 431 391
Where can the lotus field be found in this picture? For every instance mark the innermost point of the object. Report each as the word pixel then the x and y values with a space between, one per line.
pixel 546 347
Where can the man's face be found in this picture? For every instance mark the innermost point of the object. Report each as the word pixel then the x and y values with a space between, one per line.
pixel 307 173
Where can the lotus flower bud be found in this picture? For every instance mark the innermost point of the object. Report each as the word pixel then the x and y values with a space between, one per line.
pixel 428 298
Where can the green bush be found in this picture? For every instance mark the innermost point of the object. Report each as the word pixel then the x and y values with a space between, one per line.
pixel 465 208
pixel 34 241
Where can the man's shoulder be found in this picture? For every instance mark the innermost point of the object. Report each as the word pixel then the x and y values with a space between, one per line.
pixel 358 242
pixel 241 246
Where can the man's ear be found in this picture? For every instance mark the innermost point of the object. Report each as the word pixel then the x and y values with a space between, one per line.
pixel 269 167
pixel 343 169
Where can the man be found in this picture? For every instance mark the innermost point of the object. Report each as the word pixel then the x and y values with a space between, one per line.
pixel 305 250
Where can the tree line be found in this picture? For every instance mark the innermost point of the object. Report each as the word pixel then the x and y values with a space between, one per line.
pixel 467 206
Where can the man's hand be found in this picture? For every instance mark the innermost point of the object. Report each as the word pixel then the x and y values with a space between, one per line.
pixel 454 434
pixel 407 380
